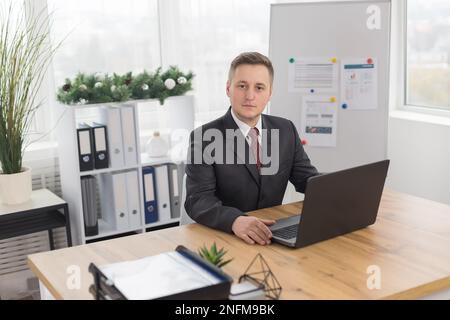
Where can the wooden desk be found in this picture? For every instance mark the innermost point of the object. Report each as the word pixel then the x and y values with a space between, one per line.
pixel 410 243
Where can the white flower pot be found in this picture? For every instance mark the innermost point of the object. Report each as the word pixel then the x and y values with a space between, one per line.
pixel 15 188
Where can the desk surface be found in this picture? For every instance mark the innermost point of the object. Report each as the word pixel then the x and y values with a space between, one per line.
pixel 409 243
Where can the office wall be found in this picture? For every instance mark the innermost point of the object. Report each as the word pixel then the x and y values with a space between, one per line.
pixel 419 149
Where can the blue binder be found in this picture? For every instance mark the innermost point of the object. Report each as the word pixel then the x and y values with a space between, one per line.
pixel 150 201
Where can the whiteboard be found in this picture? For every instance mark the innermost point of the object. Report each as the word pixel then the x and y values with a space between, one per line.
pixel 337 30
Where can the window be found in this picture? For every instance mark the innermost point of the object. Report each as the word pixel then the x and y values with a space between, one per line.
pixel 204 36
pixel 104 36
pixel 428 53
pixel 198 35
pixel 29 10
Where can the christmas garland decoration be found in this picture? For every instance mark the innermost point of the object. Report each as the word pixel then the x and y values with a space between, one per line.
pixel 99 88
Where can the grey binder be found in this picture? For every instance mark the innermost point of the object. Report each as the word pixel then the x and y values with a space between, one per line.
pixel 175 172
pixel 89 205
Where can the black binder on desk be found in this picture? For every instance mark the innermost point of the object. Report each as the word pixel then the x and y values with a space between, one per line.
pixel 106 289
pixel 100 145
pixel 85 147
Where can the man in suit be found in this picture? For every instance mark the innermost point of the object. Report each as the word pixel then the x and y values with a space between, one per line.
pixel 229 170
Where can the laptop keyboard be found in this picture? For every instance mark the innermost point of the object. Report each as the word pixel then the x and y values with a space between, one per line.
pixel 288 232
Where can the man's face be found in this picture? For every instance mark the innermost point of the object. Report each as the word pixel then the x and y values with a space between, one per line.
pixel 249 91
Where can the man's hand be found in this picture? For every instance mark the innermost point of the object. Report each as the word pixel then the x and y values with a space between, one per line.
pixel 251 229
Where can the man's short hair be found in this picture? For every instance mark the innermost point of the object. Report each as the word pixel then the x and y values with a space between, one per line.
pixel 253 58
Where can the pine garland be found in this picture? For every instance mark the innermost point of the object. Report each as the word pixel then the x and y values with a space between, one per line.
pixel 98 88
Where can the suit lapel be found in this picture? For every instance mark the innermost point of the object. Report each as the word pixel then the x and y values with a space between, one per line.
pixel 229 123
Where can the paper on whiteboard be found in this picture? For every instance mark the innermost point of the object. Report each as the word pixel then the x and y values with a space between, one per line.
pixel 359 84
pixel 313 75
pixel 319 120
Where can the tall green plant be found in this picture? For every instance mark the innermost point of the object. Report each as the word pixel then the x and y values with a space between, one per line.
pixel 25 52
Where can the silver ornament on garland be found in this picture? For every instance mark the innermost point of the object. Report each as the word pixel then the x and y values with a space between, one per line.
pixel 98 85
pixel 181 80
pixel 145 87
pixel 113 88
pixel 99 76
pixel 170 83
pixel 83 87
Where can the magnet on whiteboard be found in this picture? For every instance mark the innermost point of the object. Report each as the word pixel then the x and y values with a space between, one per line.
pixel 333 99
pixel 369 60
pixel 304 141
pixel 291 60
pixel 344 106
pixel 334 60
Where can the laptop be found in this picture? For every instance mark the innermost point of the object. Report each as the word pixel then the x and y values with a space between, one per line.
pixel 335 204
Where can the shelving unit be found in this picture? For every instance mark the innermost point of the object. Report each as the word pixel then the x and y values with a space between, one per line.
pixel 71 174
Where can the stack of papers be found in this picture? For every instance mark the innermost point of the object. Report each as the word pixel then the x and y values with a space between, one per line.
pixel 158 276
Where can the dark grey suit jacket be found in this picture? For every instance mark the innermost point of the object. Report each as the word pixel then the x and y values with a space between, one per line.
pixel 218 193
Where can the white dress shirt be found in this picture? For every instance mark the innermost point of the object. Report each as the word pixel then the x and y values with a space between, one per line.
pixel 245 128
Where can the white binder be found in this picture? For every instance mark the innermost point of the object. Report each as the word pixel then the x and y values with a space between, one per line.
pixel 120 200
pixel 129 135
pixel 162 192
pixel 114 200
pixel 134 208
pixel 111 118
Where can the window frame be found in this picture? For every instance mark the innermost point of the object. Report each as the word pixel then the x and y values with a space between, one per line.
pixel 399 67
pixel 40 129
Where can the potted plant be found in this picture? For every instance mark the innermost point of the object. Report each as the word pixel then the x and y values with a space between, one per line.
pixel 213 255
pixel 25 53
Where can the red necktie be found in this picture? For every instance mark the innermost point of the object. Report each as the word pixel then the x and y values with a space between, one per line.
pixel 254 145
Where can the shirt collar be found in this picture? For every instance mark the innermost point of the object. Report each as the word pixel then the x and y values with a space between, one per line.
pixel 245 128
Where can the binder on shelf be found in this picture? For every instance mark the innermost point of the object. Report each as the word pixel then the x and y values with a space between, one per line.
pixel 134 205
pixel 114 200
pixel 101 159
pixel 163 192
pixel 180 274
pixel 89 205
pixel 174 188
pixel 110 116
pixel 85 148
pixel 129 135
pixel 150 201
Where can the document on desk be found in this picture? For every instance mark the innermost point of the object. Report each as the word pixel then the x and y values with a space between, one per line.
pixel 158 276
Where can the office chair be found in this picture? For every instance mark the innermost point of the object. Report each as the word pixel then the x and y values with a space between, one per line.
pixel 184 217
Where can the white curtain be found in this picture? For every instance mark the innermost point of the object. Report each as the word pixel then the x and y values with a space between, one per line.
pixel 205 35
